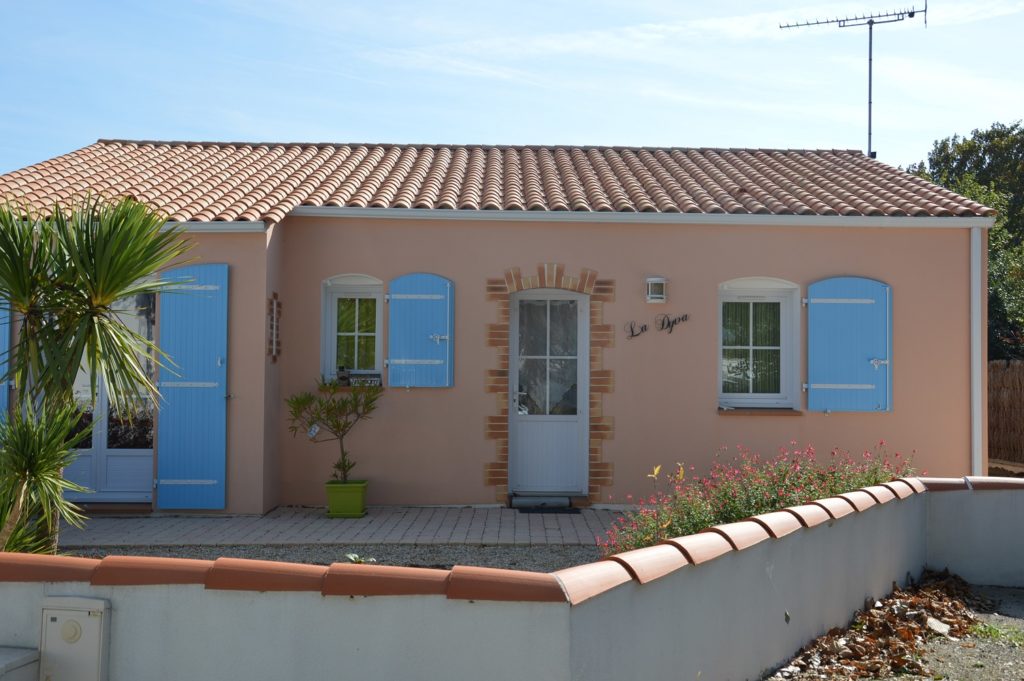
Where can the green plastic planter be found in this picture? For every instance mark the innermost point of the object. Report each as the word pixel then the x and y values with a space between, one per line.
pixel 346 499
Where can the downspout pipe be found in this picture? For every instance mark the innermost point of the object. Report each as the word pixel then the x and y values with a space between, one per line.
pixel 977 351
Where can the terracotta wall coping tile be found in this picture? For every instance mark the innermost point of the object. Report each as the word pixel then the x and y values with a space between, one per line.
pixel 493 584
pixel 944 484
pixel 860 499
pixel 348 579
pixel 994 482
pixel 900 488
pixel 238 574
pixel 778 523
pixel 836 507
pixel 880 493
pixel 148 570
pixel 915 484
pixel 29 567
pixel 809 515
pixel 741 535
pixel 652 562
pixel 581 582
pixel 700 548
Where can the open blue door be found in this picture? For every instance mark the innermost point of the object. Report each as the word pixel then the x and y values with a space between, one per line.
pixel 192 426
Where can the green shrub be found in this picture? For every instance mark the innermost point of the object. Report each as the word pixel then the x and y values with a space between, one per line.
pixel 744 486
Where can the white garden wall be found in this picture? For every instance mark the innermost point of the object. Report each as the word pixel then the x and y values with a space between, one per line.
pixel 733 612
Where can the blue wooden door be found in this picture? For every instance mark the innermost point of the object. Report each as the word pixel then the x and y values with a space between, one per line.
pixel 191 433
pixel 420 328
pixel 849 345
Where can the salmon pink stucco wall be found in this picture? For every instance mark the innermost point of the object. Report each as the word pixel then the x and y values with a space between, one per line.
pixel 246 255
pixel 429 446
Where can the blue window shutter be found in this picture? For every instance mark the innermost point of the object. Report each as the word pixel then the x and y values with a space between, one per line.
pixel 421 318
pixel 5 349
pixel 191 432
pixel 849 345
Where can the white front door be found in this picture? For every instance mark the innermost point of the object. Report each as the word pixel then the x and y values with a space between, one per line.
pixel 116 462
pixel 549 387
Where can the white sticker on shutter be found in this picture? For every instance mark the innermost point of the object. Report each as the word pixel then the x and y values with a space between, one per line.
pixel 187 384
pixel 416 361
pixel 416 296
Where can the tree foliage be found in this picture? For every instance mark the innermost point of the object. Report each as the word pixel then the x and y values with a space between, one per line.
pixel 988 167
pixel 64 275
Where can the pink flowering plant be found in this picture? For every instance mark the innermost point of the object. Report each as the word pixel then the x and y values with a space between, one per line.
pixel 743 486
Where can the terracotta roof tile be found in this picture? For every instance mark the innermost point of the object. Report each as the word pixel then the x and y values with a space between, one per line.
pixel 213 181
pixel 652 562
pixel 591 579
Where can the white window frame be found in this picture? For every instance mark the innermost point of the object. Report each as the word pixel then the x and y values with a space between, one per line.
pixel 348 286
pixel 766 290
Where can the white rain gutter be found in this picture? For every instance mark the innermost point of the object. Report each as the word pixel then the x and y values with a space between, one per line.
pixel 977 349
pixel 220 227
pixel 592 217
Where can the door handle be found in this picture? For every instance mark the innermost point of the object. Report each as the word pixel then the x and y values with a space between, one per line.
pixel 876 362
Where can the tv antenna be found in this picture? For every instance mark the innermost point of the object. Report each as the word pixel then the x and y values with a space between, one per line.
pixel 868 20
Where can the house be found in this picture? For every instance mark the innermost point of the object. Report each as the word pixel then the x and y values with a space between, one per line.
pixel 546 320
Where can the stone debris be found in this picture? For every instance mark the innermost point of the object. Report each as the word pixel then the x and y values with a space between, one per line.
pixel 889 636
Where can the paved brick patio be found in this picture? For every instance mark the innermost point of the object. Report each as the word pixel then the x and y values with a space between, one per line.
pixel 382 525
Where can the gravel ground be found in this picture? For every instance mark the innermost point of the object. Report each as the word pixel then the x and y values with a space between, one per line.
pixel 982 658
pixel 997 656
pixel 536 558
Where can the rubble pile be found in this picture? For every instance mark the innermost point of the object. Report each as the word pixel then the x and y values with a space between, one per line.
pixel 888 637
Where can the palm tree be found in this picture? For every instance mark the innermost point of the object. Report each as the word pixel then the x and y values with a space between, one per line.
pixel 62 275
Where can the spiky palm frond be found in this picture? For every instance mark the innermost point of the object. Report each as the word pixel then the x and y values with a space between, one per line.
pixel 35 447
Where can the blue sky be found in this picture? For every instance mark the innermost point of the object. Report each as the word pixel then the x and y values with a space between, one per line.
pixel 615 72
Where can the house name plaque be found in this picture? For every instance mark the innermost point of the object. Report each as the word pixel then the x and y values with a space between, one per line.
pixel 663 322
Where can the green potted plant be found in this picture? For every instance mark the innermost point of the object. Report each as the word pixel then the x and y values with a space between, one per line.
pixel 327 414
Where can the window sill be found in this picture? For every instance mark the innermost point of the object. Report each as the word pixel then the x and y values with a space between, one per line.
pixel 758 411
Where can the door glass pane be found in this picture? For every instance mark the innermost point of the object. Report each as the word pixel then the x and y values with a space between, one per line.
pixel 563 328
pixel 767 372
pixel 132 430
pixel 533 328
pixel 767 326
pixel 139 314
pixel 367 353
pixel 346 315
pixel 563 387
pixel 82 395
pixel 346 352
pixel 735 324
pixel 735 371
pixel 367 315
pixel 532 398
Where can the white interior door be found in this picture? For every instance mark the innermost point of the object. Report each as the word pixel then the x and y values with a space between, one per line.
pixel 549 387
pixel 116 462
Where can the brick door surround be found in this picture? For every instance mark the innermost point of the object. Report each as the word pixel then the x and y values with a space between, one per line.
pixel 552 276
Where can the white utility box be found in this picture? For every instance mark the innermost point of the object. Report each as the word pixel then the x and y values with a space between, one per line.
pixel 19 664
pixel 75 639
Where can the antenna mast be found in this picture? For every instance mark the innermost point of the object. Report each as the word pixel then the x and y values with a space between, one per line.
pixel 868 20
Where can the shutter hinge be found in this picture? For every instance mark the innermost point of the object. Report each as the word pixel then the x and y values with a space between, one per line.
pixel 387 362
pixel 804 301
pixel 387 297
pixel 155 483
pixel 805 387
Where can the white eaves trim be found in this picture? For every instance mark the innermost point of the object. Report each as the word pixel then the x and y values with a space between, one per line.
pixel 745 219
pixel 221 227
